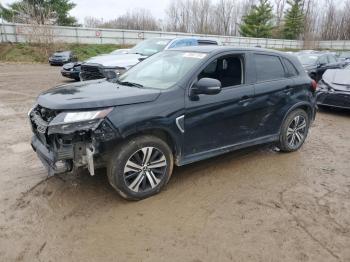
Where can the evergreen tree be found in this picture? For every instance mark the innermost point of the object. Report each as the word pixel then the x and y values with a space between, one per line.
pixel 39 11
pixel 294 20
pixel 257 23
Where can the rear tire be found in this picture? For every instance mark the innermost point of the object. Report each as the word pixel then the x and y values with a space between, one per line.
pixel 140 167
pixel 294 131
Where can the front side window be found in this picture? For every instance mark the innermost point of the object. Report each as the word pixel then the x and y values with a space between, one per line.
pixel 228 70
pixel 163 70
pixel 268 67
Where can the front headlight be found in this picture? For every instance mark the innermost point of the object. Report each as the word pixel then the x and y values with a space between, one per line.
pixel 80 116
pixel 70 122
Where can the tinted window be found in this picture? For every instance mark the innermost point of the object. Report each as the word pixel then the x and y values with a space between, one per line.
pixel 268 67
pixel 292 71
pixel 228 70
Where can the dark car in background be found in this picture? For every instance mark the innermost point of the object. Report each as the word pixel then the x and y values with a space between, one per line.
pixel 174 108
pixel 72 70
pixel 316 63
pixel 62 57
pixel 334 88
pixel 98 67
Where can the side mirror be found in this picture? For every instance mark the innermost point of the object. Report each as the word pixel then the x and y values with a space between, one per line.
pixel 206 86
pixel 321 64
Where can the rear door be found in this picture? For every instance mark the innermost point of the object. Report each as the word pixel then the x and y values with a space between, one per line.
pixel 272 91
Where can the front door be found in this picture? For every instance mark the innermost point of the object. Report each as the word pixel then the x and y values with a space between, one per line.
pixel 218 121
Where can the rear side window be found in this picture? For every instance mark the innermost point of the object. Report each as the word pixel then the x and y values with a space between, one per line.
pixel 268 67
pixel 291 70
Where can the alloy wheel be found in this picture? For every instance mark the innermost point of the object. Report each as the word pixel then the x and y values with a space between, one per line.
pixel 296 131
pixel 145 169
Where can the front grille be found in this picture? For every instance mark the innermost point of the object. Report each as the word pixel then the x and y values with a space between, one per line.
pixel 91 72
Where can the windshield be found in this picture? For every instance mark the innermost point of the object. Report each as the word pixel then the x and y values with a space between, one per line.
pixel 308 59
pixel 162 70
pixel 150 46
pixel 61 54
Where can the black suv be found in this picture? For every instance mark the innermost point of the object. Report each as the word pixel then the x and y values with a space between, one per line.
pixel 177 107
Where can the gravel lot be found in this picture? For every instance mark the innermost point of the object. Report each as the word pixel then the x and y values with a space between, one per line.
pixel 251 205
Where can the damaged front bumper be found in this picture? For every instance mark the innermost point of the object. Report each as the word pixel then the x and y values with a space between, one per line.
pixel 72 146
pixel 50 159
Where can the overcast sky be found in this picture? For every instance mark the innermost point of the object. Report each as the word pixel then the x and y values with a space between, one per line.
pixel 109 9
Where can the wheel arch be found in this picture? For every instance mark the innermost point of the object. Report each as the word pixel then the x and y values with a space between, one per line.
pixel 162 134
pixel 302 105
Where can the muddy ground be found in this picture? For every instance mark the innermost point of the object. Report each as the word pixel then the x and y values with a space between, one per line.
pixel 251 205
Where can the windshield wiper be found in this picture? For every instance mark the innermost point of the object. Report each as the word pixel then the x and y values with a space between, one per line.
pixel 138 53
pixel 126 83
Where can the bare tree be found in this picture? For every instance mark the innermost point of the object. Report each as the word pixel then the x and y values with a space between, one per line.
pixel 138 19
pixel 224 14
pixel 280 6
pixel 92 22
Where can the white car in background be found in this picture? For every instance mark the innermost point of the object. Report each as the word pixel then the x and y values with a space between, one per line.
pixel 97 67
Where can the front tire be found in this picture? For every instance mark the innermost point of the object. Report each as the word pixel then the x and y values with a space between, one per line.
pixel 294 131
pixel 140 167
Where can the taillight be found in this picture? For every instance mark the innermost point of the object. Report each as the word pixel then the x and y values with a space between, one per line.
pixel 313 85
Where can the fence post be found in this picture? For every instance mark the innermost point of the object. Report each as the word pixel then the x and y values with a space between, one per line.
pixel 123 37
pixel 1 29
pixel 76 35
pixel 15 29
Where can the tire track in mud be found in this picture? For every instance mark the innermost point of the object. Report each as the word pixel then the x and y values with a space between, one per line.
pixel 304 228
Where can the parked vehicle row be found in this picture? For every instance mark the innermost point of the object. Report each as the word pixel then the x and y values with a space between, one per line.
pixel 316 63
pixel 178 106
pixel 97 67
pixel 334 88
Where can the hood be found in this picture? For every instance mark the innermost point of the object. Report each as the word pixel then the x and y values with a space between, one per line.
pixel 124 60
pixel 338 79
pixel 94 94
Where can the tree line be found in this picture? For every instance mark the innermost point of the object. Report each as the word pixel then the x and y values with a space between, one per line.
pixel 287 19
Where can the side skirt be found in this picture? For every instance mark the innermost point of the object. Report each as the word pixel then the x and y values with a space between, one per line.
pixel 222 150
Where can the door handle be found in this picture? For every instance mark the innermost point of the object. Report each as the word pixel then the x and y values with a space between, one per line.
pixel 244 100
pixel 288 89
